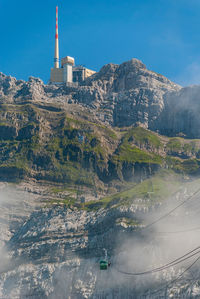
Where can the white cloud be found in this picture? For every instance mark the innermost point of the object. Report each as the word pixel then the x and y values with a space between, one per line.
pixel 190 75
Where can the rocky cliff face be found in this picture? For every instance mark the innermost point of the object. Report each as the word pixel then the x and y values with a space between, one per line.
pixel 68 134
pixel 120 95
pixel 133 93
pixel 54 251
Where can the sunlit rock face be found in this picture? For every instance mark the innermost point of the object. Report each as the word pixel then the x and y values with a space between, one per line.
pixel 121 95
pixel 132 93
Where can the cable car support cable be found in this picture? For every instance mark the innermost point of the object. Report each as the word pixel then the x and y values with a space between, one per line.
pixel 177 261
pixel 177 278
pixel 171 211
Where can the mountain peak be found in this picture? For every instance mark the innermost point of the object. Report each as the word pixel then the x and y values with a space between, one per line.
pixel 134 62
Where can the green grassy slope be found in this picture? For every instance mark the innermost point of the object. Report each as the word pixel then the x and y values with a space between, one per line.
pixel 55 146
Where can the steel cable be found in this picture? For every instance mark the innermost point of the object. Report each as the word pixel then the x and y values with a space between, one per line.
pixel 171 211
pixel 179 260
pixel 180 231
pixel 177 278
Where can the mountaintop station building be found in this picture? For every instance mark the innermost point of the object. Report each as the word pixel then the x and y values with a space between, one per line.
pixel 68 73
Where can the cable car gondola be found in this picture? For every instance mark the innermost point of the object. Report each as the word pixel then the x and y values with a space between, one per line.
pixel 104 264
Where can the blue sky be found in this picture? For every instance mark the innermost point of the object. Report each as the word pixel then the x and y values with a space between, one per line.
pixel 164 34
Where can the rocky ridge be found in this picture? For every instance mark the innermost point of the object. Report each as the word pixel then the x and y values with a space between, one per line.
pixel 108 94
pixel 117 95
pixel 77 134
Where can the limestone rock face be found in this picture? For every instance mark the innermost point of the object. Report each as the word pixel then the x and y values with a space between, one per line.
pixel 120 95
pixel 54 252
pixel 129 75
pixel 130 93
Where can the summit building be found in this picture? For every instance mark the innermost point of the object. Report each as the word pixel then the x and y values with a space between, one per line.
pixel 68 73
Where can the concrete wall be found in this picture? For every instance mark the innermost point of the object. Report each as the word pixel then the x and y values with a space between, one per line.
pixel 56 75
pixel 67 73
pixel 81 73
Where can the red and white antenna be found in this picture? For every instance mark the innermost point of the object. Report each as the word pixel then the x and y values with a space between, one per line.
pixel 56 57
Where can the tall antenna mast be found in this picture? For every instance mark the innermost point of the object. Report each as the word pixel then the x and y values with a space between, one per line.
pixel 56 57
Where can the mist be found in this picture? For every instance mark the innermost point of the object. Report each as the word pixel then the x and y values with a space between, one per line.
pixel 161 243
pixel 6 205
pixel 15 207
pixel 141 249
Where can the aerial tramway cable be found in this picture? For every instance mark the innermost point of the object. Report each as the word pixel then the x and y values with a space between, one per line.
pixel 181 259
pixel 177 261
pixel 177 278
pixel 180 231
pixel 171 211
pixel 162 217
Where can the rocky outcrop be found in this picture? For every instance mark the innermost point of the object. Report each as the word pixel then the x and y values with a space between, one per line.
pixel 126 94
pixel 118 95
pixel 121 95
pixel 37 141
pixel 129 75
pixel 67 134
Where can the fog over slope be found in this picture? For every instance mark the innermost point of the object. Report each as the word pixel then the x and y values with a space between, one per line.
pixel 55 251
